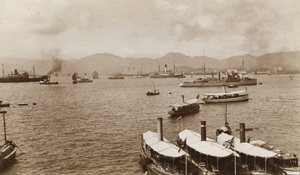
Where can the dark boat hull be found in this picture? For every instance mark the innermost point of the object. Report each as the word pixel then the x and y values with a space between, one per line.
pixel 5 105
pixel 219 83
pixel 183 112
pixel 152 93
pixel 7 154
pixel 18 79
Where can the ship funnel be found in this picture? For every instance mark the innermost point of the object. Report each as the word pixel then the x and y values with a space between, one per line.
pixel 160 129
pixel 165 68
pixel 203 130
pixel 182 98
pixel 242 132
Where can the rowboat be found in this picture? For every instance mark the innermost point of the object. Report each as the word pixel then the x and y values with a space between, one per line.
pixel 225 97
pixel 154 92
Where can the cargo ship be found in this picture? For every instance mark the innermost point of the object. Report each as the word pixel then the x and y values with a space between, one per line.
pixel 24 77
pixel 233 78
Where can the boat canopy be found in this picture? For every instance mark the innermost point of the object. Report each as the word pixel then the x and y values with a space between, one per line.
pixel 227 93
pixel 245 147
pixel 164 147
pixel 208 147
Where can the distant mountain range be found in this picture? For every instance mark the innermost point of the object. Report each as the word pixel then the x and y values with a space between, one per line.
pixel 105 63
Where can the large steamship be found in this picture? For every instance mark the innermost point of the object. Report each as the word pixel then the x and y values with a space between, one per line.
pixel 23 77
pixel 233 78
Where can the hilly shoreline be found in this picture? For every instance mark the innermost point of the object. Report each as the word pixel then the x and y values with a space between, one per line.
pixel 105 63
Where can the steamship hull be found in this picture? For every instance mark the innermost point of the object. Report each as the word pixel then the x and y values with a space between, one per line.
pixel 168 76
pixel 19 79
pixel 218 83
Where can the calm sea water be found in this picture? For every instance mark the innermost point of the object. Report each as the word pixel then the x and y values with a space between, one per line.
pixel 95 128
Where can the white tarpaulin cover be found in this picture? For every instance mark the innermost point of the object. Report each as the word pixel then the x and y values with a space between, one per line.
pixel 243 92
pixel 208 147
pixel 162 147
pixel 244 147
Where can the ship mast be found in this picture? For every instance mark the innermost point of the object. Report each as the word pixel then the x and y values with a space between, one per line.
pixel 204 62
pixel 3 69
pixel 33 71
pixel 225 108
pixel 174 66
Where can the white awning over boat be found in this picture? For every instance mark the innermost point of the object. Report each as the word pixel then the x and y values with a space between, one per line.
pixel 245 147
pixel 227 93
pixel 162 147
pixel 208 147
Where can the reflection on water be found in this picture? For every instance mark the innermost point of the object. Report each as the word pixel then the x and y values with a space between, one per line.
pixel 95 128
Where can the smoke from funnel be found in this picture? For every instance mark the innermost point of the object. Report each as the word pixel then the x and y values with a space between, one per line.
pixel 56 66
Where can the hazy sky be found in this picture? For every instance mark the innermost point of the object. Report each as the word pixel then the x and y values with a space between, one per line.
pixel 42 29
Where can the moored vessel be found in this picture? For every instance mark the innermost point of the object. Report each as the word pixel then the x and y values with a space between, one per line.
pixel 211 157
pixel 184 108
pixel 160 157
pixel 258 157
pixel 116 77
pixel 8 149
pixel 233 78
pixel 154 92
pixel 225 97
pixel 167 74
pixel 6 104
pixel 48 82
pixel 83 79
pixel 16 77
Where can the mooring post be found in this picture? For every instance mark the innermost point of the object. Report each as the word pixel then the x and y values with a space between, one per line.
pixel 242 132
pixel 160 129
pixel 203 130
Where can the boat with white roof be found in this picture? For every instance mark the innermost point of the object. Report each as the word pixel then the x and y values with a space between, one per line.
pixel 225 97
pixel 160 157
pixel 258 159
pixel 210 155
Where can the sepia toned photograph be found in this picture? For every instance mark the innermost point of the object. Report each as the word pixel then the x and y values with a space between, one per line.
pixel 149 87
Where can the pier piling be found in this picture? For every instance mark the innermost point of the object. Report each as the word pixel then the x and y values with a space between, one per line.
pixel 203 130
pixel 160 129
pixel 242 132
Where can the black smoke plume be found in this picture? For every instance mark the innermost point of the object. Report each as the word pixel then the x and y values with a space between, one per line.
pixel 56 65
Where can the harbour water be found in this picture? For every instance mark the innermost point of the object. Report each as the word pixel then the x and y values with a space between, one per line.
pixel 95 128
